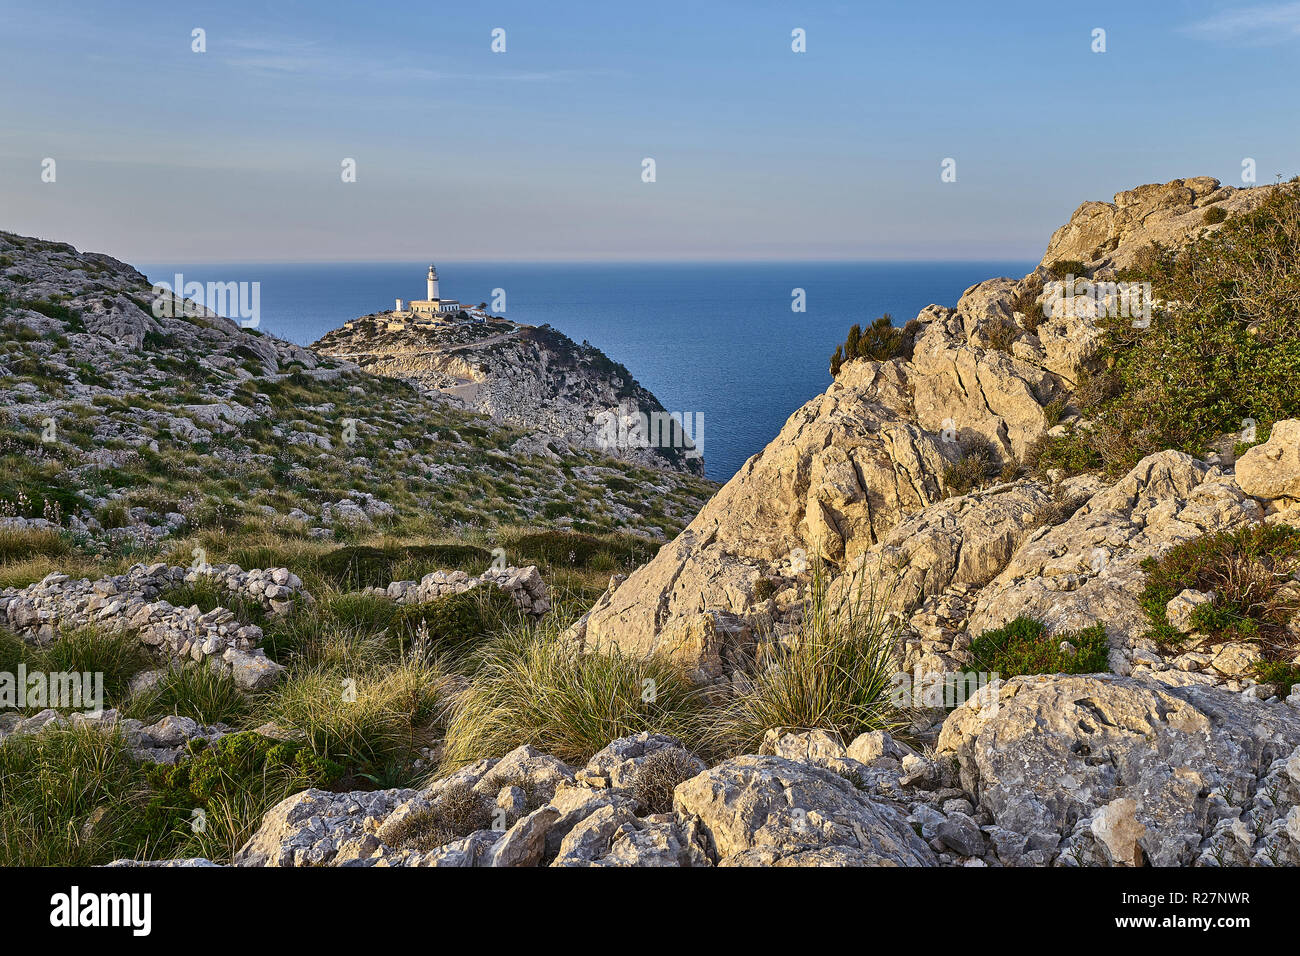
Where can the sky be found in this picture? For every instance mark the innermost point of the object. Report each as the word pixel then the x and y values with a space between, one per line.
pixel 236 153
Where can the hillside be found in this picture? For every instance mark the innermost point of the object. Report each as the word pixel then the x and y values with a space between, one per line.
pixel 532 378
pixel 193 423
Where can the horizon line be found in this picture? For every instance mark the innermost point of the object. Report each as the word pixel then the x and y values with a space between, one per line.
pixel 592 262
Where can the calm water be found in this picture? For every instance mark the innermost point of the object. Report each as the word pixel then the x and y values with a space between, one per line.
pixel 719 339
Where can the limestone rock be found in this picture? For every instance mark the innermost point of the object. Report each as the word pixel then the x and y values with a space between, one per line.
pixel 1053 750
pixel 1111 234
pixel 1088 569
pixel 784 808
pixel 1271 471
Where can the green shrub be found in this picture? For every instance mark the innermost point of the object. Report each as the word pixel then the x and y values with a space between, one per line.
pixel 1054 411
pixel 978 464
pixel 1027 304
pixel 658 776
pixel 1073 453
pixel 880 342
pixel 1213 215
pixel 1247 570
pixel 214 801
pixel 1228 351
pixel 1025 647
pixel 1063 268
pixel 457 812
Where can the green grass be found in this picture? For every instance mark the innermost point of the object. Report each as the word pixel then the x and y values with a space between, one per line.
pixel 196 691
pixel 115 655
pixel 354 568
pixel 369 720
pixel 71 797
pixel 19 544
pixel 452 626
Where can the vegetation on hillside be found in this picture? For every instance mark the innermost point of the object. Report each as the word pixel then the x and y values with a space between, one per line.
pixel 1222 350
pixel 1251 575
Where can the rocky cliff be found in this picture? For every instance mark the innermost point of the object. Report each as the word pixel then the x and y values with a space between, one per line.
pixel 864 475
pixel 534 378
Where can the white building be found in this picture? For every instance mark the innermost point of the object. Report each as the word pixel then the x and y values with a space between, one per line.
pixel 434 304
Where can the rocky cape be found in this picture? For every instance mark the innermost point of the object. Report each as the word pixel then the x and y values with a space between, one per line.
pixel 530 377
pixel 105 375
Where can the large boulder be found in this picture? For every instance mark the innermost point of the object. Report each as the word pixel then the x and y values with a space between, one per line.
pixel 1100 768
pixel 309 828
pixel 961 389
pixel 964 541
pixel 1271 471
pixel 762 810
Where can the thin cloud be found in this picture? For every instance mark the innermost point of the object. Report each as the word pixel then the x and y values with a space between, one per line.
pixel 307 57
pixel 1274 23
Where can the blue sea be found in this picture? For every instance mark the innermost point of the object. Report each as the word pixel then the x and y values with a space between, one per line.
pixel 719 339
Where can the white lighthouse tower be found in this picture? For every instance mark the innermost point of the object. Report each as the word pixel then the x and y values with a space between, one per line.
pixel 428 309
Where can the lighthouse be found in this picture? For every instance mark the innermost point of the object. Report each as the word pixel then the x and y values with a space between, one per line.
pixel 429 308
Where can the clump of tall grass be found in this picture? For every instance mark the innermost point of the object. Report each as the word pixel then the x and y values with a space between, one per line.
pixel 197 691
pixel 370 719
pixel 20 544
pixel 116 655
pixel 835 673
pixel 64 794
pixel 533 687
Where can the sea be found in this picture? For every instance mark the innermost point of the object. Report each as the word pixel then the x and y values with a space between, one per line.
pixel 741 344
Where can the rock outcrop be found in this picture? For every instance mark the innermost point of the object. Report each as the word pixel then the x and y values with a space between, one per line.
pixel 1110 770
pixel 1088 569
pixel 857 477
pixel 1110 234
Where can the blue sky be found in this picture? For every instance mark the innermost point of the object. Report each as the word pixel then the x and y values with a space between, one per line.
pixel 164 154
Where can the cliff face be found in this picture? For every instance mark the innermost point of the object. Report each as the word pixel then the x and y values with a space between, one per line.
pixel 863 477
pixel 533 378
